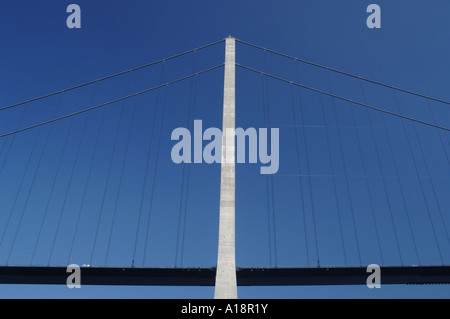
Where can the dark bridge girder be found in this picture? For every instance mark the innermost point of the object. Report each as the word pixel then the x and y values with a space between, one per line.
pixel 206 276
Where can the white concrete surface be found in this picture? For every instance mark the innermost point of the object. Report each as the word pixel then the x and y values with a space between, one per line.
pixel 226 286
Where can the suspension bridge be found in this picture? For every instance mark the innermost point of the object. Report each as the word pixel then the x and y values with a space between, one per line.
pixel 86 178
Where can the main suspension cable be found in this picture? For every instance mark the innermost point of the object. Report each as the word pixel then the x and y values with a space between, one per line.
pixel 343 73
pixel 110 76
pixel 109 102
pixel 344 99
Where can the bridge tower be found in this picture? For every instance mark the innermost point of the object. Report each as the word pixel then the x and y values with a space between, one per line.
pixel 226 284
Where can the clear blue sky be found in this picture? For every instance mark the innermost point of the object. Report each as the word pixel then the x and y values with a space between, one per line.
pixel 39 54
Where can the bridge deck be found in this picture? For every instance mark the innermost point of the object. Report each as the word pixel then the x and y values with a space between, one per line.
pixel 206 276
